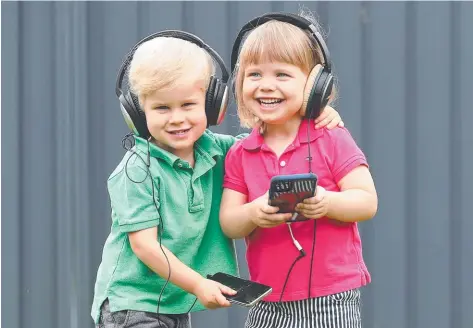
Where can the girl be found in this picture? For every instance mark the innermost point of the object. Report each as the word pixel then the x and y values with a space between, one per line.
pixel 315 267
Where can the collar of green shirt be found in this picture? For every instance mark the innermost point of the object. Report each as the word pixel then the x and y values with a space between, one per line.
pixel 206 146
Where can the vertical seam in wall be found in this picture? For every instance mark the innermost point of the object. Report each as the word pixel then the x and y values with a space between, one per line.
pixel 411 121
pixel 21 143
pixel 365 128
pixel 455 187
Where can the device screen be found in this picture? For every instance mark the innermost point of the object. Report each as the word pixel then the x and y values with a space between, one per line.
pixel 250 294
pixel 287 201
pixel 247 291
pixel 286 191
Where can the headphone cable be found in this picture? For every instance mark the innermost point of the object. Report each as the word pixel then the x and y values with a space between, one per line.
pixel 128 144
pixel 295 242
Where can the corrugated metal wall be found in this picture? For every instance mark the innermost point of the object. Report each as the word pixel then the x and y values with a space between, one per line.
pixel 406 83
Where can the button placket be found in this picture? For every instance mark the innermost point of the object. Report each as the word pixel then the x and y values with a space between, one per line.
pixel 185 174
pixel 283 162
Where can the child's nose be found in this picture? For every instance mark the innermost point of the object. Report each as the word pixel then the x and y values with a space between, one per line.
pixel 267 85
pixel 177 116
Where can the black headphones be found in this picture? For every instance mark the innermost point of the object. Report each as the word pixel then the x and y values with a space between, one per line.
pixel 216 99
pixel 320 81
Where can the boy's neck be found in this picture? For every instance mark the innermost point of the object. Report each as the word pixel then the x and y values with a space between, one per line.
pixel 184 154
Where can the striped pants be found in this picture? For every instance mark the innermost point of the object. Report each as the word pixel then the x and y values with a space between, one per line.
pixel 342 310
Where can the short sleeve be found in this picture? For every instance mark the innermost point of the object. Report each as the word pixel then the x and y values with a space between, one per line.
pixel 132 201
pixel 345 153
pixel 234 178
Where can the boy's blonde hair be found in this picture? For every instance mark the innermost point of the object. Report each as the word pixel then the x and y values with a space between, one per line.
pixel 274 41
pixel 164 62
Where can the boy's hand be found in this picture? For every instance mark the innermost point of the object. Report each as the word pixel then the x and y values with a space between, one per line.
pixel 314 207
pixel 265 215
pixel 211 294
pixel 329 117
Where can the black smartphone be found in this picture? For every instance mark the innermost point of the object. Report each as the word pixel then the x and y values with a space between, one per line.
pixel 286 191
pixel 248 292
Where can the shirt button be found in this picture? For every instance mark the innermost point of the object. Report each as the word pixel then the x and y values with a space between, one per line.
pixel 283 163
pixel 179 164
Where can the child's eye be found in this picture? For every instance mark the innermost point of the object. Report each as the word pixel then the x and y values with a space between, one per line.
pixel 162 107
pixel 282 75
pixel 253 74
pixel 188 104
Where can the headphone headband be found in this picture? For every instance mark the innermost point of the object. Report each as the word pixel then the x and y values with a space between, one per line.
pixel 295 20
pixel 173 34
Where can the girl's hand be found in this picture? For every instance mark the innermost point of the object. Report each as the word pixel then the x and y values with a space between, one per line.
pixel 315 207
pixel 265 215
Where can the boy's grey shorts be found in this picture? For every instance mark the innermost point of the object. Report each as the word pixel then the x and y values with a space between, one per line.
pixel 140 319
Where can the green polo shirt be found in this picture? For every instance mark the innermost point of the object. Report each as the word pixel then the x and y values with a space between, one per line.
pixel 188 200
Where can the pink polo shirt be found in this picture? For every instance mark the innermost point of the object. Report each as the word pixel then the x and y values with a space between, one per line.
pixel 338 262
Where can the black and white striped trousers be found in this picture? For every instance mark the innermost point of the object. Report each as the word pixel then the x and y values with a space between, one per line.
pixel 342 310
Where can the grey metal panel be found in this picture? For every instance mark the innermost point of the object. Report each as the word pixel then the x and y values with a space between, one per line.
pixel 11 209
pixel 383 118
pixel 405 82
pixel 461 251
pixel 37 144
pixel 431 243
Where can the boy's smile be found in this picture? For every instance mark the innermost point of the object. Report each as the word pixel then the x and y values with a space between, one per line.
pixel 176 117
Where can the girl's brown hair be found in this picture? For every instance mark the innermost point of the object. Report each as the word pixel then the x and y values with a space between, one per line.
pixel 274 41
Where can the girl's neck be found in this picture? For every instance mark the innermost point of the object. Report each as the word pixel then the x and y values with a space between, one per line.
pixel 279 136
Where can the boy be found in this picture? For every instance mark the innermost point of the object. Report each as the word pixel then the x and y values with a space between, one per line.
pixel 165 197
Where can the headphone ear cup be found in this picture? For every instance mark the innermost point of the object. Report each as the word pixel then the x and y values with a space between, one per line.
pixel 127 113
pixel 221 103
pixel 317 92
pixel 136 116
pixel 326 89
pixel 308 101
pixel 209 102
pixel 233 81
